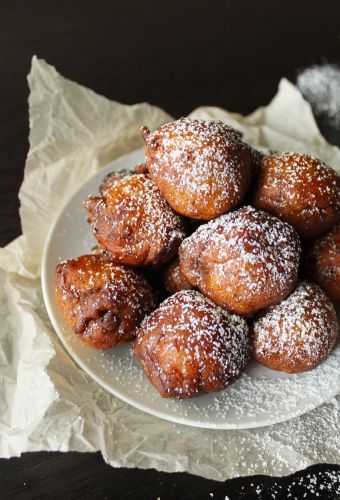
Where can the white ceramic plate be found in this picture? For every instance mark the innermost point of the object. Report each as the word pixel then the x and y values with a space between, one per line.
pixel 260 397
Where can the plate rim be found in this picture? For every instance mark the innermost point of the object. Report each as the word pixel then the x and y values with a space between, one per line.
pixel 102 383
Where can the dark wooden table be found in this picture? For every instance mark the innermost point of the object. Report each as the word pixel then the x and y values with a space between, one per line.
pixel 177 55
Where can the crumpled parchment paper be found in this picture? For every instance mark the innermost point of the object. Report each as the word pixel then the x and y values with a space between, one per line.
pixel 47 402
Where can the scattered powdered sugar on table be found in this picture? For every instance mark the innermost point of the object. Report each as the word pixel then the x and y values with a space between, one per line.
pixel 320 84
pixel 311 486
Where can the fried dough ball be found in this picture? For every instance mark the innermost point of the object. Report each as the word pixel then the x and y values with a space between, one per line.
pixel 202 168
pixel 174 280
pixel 111 177
pixel 133 223
pixel 301 190
pixel 104 303
pixel 244 261
pixel 117 174
pixel 299 333
pixel 189 346
pixel 322 262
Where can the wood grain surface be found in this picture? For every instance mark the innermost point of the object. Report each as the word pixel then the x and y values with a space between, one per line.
pixel 177 55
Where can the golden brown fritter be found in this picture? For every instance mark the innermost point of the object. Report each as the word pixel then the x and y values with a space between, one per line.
pixel 301 190
pixel 174 280
pixel 117 174
pixel 189 346
pixel 103 302
pixel 244 261
pixel 202 168
pixel 297 334
pixel 133 223
pixel 111 177
pixel 322 262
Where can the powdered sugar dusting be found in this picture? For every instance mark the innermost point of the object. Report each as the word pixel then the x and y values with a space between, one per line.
pixel 206 346
pixel 331 242
pixel 140 227
pixel 94 291
pixel 206 160
pixel 302 182
pixel 320 84
pixel 322 262
pixel 111 177
pixel 249 247
pixel 174 279
pixel 301 330
pixel 304 485
pixel 260 397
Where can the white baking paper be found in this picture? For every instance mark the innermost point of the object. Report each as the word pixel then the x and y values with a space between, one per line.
pixel 47 402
